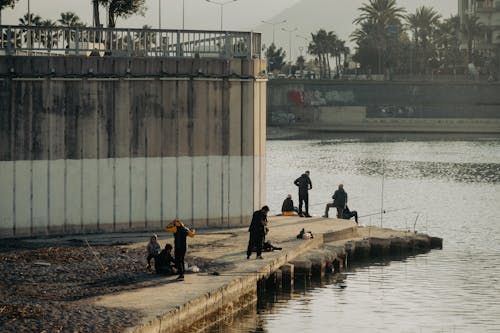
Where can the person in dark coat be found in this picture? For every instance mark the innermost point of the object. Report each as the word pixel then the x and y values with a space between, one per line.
pixel 164 262
pixel 181 232
pixel 304 184
pixel 287 208
pixel 257 229
pixel 348 214
pixel 340 200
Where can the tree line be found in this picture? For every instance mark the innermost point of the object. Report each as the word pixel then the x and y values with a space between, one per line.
pixel 389 40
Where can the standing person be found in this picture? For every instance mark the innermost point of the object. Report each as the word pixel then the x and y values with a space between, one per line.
pixel 181 232
pixel 340 201
pixel 304 184
pixel 152 249
pixel 257 231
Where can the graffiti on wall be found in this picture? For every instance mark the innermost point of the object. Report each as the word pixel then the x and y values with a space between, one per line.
pixel 320 96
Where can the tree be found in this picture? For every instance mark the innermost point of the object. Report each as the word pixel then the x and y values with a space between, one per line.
pixel 423 23
pixel 30 18
pixel 275 57
pixel 95 11
pixel 379 19
pixel 49 37
pixel 4 4
pixel 122 8
pixel 472 30
pixel 448 43
pixel 70 19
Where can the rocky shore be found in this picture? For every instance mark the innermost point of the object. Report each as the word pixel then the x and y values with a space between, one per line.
pixel 44 286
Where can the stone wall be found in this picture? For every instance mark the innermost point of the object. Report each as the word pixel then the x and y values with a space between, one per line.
pixel 385 106
pixel 93 144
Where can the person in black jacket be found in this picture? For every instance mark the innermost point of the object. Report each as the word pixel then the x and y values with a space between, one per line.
pixel 340 201
pixel 304 184
pixel 164 262
pixel 287 208
pixel 181 232
pixel 348 214
pixel 257 229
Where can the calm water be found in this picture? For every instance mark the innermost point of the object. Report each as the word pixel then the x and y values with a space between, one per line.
pixel 447 187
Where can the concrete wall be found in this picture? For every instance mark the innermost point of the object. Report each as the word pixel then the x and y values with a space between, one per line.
pixel 93 144
pixel 385 106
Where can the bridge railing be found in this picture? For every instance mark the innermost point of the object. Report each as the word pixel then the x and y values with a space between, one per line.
pixel 60 41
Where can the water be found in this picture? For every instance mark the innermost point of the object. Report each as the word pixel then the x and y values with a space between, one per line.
pixel 444 186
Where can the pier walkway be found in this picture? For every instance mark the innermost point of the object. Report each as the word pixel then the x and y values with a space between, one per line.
pixel 204 297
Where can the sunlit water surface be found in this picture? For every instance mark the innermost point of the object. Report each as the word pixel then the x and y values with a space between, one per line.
pixel 446 187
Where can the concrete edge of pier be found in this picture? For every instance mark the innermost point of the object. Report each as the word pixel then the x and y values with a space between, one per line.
pixel 205 299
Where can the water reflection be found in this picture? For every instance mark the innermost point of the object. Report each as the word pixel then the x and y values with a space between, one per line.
pixel 453 188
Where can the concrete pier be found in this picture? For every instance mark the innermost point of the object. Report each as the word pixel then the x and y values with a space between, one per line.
pixel 206 298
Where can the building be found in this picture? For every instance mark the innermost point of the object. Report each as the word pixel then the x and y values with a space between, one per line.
pixel 488 12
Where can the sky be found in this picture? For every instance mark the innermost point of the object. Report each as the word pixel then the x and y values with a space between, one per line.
pixel 305 16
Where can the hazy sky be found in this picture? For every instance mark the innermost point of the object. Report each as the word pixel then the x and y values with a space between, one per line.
pixel 305 15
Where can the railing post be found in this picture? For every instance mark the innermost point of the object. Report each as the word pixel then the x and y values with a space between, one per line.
pixel 129 40
pixel 178 47
pixel 77 41
pixel 9 38
pixel 228 45
pixel 250 46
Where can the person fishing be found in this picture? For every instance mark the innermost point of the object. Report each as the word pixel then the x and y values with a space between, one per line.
pixel 348 214
pixel 304 184
pixel 257 229
pixel 339 202
pixel 287 208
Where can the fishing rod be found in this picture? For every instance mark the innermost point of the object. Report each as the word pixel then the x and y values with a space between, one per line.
pixel 384 212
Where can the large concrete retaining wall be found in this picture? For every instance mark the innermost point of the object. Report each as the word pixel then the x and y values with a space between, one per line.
pixel 91 144
pixel 385 106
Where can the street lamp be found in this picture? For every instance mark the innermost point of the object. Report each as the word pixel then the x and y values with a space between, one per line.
pixel 274 25
pixel 221 4
pixel 290 31
pixel 159 14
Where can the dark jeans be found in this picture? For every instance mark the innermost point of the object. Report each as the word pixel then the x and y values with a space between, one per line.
pixel 304 197
pixel 340 213
pixel 255 242
pixel 351 214
pixel 151 256
pixel 179 260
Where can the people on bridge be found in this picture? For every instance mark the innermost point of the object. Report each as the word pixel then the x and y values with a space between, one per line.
pixel 339 202
pixel 181 232
pixel 348 214
pixel 258 229
pixel 304 184
pixel 288 209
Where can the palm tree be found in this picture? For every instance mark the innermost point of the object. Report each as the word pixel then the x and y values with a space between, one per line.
pixel 30 18
pixel 472 29
pixel 70 19
pixel 48 37
pixel 423 23
pixel 379 16
pixel 448 42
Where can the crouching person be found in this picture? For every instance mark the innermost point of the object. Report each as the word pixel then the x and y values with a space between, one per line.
pixel 181 232
pixel 164 262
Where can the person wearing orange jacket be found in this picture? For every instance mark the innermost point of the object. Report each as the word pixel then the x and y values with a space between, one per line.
pixel 181 232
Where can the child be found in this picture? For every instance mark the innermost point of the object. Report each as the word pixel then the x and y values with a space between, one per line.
pixel 153 249
pixel 164 262
pixel 180 234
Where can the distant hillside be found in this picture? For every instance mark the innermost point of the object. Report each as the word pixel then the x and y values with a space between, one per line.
pixel 337 15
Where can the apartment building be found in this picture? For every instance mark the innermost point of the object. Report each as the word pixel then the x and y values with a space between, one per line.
pixel 488 12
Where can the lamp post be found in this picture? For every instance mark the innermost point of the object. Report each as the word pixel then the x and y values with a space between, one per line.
pixel 183 13
pixel 274 26
pixel 221 4
pixel 159 14
pixel 290 31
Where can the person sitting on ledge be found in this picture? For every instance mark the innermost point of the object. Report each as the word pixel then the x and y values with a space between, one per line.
pixel 348 214
pixel 287 209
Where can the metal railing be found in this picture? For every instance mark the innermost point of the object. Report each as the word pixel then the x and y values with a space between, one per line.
pixel 61 41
